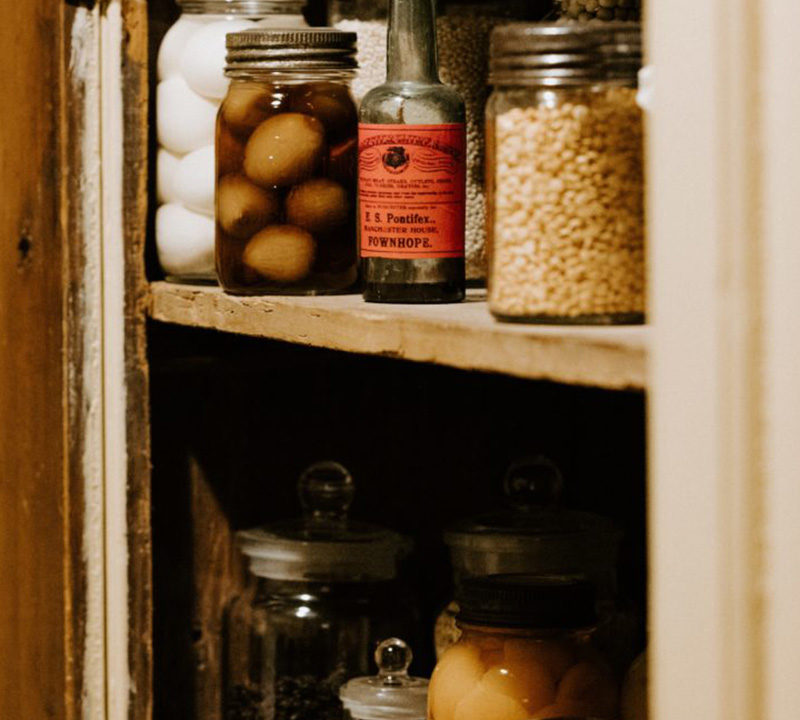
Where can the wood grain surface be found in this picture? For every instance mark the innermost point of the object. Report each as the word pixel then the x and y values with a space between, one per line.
pixel 43 586
pixel 463 336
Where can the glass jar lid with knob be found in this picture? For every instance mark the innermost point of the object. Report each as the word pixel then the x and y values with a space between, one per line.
pixel 325 545
pixel 392 694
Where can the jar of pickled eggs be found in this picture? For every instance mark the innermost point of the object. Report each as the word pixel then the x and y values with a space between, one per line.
pixel 525 653
pixel 286 164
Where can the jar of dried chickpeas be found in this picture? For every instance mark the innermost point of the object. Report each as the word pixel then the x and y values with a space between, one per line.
pixel 565 176
pixel 286 164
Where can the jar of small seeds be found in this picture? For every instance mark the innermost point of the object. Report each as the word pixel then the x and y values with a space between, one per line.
pixel 323 592
pixel 565 176
pixel 286 164
pixel 585 10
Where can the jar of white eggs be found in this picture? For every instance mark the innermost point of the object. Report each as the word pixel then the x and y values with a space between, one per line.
pixel 287 142
pixel 191 86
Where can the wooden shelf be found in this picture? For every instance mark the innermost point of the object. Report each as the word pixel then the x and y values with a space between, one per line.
pixel 462 336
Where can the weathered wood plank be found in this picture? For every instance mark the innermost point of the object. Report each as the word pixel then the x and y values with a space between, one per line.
pixel 463 336
pixel 51 614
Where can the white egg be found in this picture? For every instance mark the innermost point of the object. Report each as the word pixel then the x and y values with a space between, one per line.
pixel 185 241
pixel 203 58
pixel 166 165
pixel 194 181
pixel 171 49
pixel 186 121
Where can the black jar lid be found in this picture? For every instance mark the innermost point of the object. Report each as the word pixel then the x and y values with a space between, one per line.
pixel 290 49
pixel 564 53
pixel 536 602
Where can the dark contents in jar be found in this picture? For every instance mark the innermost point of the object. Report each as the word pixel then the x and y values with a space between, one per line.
pixel 306 698
pixel 296 698
pixel 286 170
pixel 244 704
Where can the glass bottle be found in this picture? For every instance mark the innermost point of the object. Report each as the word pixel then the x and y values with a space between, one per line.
pixel 412 155
pixel 191 86
pixel 324 591
pixel 392 694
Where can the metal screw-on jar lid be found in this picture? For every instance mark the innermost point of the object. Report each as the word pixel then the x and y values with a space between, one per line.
pixel 564 54
pixel 250 8
pixel 289 49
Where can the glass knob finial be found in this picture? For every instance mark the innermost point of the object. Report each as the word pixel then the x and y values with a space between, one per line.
pixel 326 492
pixel 534 482
pixel 393 658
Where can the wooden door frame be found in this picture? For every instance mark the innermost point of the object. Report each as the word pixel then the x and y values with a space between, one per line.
pixel 725 257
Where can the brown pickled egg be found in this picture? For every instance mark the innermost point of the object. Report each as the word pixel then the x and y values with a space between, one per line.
pixel 555 656
pixel 247 106
pixel 230 152
pixel 591 685
pixel 318 205
pixel 282 253
pixel 485 703
pixel 284 150
pixel 457 673
pixel 330 103
pixel 244 208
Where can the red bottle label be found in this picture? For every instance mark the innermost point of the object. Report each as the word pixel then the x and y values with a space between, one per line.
pixel 411 190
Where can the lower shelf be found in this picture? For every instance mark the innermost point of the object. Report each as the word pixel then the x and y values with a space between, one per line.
pixel 463 336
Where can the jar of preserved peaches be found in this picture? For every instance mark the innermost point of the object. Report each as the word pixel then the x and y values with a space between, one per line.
pixel 525 653
pixel 286 164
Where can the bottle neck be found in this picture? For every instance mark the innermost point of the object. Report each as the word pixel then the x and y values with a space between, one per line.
pixel 412 53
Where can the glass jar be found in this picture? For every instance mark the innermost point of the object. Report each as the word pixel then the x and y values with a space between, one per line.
pixel 191 85
pixel 525 653
pixel 585 10
pixel 392 694
pixel 565 174
pixel 532 534
pixel 286 164
pixel 323 593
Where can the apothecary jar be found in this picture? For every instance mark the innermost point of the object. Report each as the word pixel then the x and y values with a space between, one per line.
pixel 191 85
pixel 565 175
pixel 323 593
pixel 286 164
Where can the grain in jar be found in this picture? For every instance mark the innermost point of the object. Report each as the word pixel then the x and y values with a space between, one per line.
pixel 286 164
pixel 609 10
pixel 565 175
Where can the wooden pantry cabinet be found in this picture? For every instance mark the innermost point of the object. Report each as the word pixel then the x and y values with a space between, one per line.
pixel 143 422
